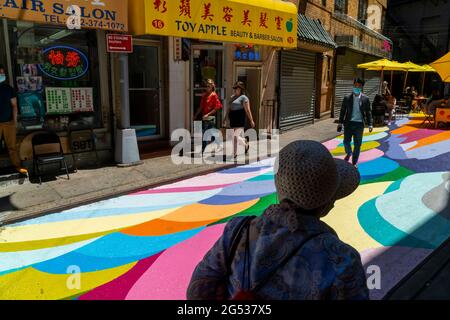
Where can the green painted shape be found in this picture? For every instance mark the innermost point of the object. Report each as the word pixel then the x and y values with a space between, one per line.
pixel 397 174
pixel 255 210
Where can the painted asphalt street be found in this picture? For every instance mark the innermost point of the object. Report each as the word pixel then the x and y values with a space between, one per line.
pixel 145 245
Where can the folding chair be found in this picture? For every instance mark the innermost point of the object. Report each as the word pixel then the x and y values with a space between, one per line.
pixel 47 141
pixel 429 117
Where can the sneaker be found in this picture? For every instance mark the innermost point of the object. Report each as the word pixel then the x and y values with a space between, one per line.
pixel 347 157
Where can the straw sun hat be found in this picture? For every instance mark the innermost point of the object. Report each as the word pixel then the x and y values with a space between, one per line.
pixel 311 178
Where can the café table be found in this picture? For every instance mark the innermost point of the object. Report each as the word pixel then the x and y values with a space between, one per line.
pixel 420 103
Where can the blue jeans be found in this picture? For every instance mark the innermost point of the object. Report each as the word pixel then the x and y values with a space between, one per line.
pixel 207 125
pixel 353 131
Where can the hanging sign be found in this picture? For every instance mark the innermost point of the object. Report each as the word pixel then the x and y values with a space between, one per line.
pixel 64 63
pixel 95 14
pixel 121 43
pixel 265 22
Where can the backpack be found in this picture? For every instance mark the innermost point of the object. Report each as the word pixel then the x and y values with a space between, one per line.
pixel 249 293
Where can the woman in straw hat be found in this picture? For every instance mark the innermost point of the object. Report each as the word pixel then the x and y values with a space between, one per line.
pixel 288 253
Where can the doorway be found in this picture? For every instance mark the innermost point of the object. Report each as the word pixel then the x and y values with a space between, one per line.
pixel 145 89
pixel 206 63
pixel 250 75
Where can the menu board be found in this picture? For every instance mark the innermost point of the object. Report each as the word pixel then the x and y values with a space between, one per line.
pixel 59 100
pixel 82 100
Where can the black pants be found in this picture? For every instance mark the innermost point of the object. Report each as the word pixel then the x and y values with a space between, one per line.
pixel 353 131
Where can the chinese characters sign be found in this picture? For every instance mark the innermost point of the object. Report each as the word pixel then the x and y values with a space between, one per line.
pixel 64 63
pixel 96 14
pixel 265 22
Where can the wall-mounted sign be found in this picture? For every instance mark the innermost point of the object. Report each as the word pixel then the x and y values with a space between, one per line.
pixel 121 43
pixel 82 99
pixel 265 22
pixel 98 14
pixel 247 53
pixel 177 49
pixel 64 63
pixel 59 100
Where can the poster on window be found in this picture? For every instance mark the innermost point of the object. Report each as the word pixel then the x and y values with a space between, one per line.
pixel 31 105
pixel 82 100
pixel 29 84
pixel 58 100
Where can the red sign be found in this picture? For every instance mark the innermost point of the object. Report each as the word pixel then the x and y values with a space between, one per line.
pixel 119 43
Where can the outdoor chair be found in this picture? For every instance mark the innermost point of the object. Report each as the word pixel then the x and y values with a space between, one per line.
pixel 429 116
pixel 42 143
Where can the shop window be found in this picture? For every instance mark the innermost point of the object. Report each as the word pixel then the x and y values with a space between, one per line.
pixel 362 11
pixel 56 76
pixel 341 6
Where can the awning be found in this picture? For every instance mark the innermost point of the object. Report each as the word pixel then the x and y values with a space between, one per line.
pixel 311 30
pixel 98 14
pixel 265 22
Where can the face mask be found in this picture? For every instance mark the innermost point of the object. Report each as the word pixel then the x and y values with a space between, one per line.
pixel 2 78
pixel 357 91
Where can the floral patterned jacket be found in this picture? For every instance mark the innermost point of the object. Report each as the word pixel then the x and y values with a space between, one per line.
pixel 325 268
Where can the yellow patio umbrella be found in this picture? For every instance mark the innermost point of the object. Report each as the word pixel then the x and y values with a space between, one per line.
pixel 442 67
pixel 383 65
pixel 425 68
pixel 410 67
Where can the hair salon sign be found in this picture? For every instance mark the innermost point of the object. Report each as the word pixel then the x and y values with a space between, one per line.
pixel 76 14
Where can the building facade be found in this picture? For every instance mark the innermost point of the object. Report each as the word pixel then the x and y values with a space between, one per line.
pixel 61 76
pixel 356 27
pixel 420 30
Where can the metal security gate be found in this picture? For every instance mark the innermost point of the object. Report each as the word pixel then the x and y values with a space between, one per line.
pixel 297 89
pixel 346 71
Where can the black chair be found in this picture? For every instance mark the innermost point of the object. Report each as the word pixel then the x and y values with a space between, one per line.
pixel 45 158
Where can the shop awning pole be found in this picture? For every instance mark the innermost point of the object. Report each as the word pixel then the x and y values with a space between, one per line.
pixel 124 92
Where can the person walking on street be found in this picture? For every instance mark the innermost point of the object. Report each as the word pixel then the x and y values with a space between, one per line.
pixel 356 114
pixel 238 112
pixel 8 120
pixel 209 106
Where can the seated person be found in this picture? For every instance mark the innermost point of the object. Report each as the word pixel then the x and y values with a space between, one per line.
pixel 390 106
pixel 379 109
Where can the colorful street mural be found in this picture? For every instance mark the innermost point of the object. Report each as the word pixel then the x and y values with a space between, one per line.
pixel 146 245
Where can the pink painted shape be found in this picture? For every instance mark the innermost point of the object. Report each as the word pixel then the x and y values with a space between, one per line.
pixel 118 288
pixel 332 144
pixel 367 155
pixel 168 278
pixel 181 189
pixel 418 135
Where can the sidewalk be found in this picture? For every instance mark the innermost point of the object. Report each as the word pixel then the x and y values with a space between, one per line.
pixel 21 202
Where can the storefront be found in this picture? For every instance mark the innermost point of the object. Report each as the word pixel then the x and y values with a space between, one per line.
pixel 304 76
pixel 227 41
pixel 61 74
pixel 347 70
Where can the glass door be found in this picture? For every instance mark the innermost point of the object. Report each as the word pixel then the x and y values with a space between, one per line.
pixel 207 63
pixel 146 115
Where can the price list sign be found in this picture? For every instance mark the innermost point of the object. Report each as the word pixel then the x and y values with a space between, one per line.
pixel 58 100
pixel 82 100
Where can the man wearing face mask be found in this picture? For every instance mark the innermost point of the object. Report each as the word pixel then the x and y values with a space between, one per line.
pixel 8 119
pixel 356 114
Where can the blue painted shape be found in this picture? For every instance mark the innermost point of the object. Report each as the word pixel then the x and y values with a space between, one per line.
pixel 385 233
pixel 114 250
pixel 377 168
pixel 245 169
pixel 224 200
